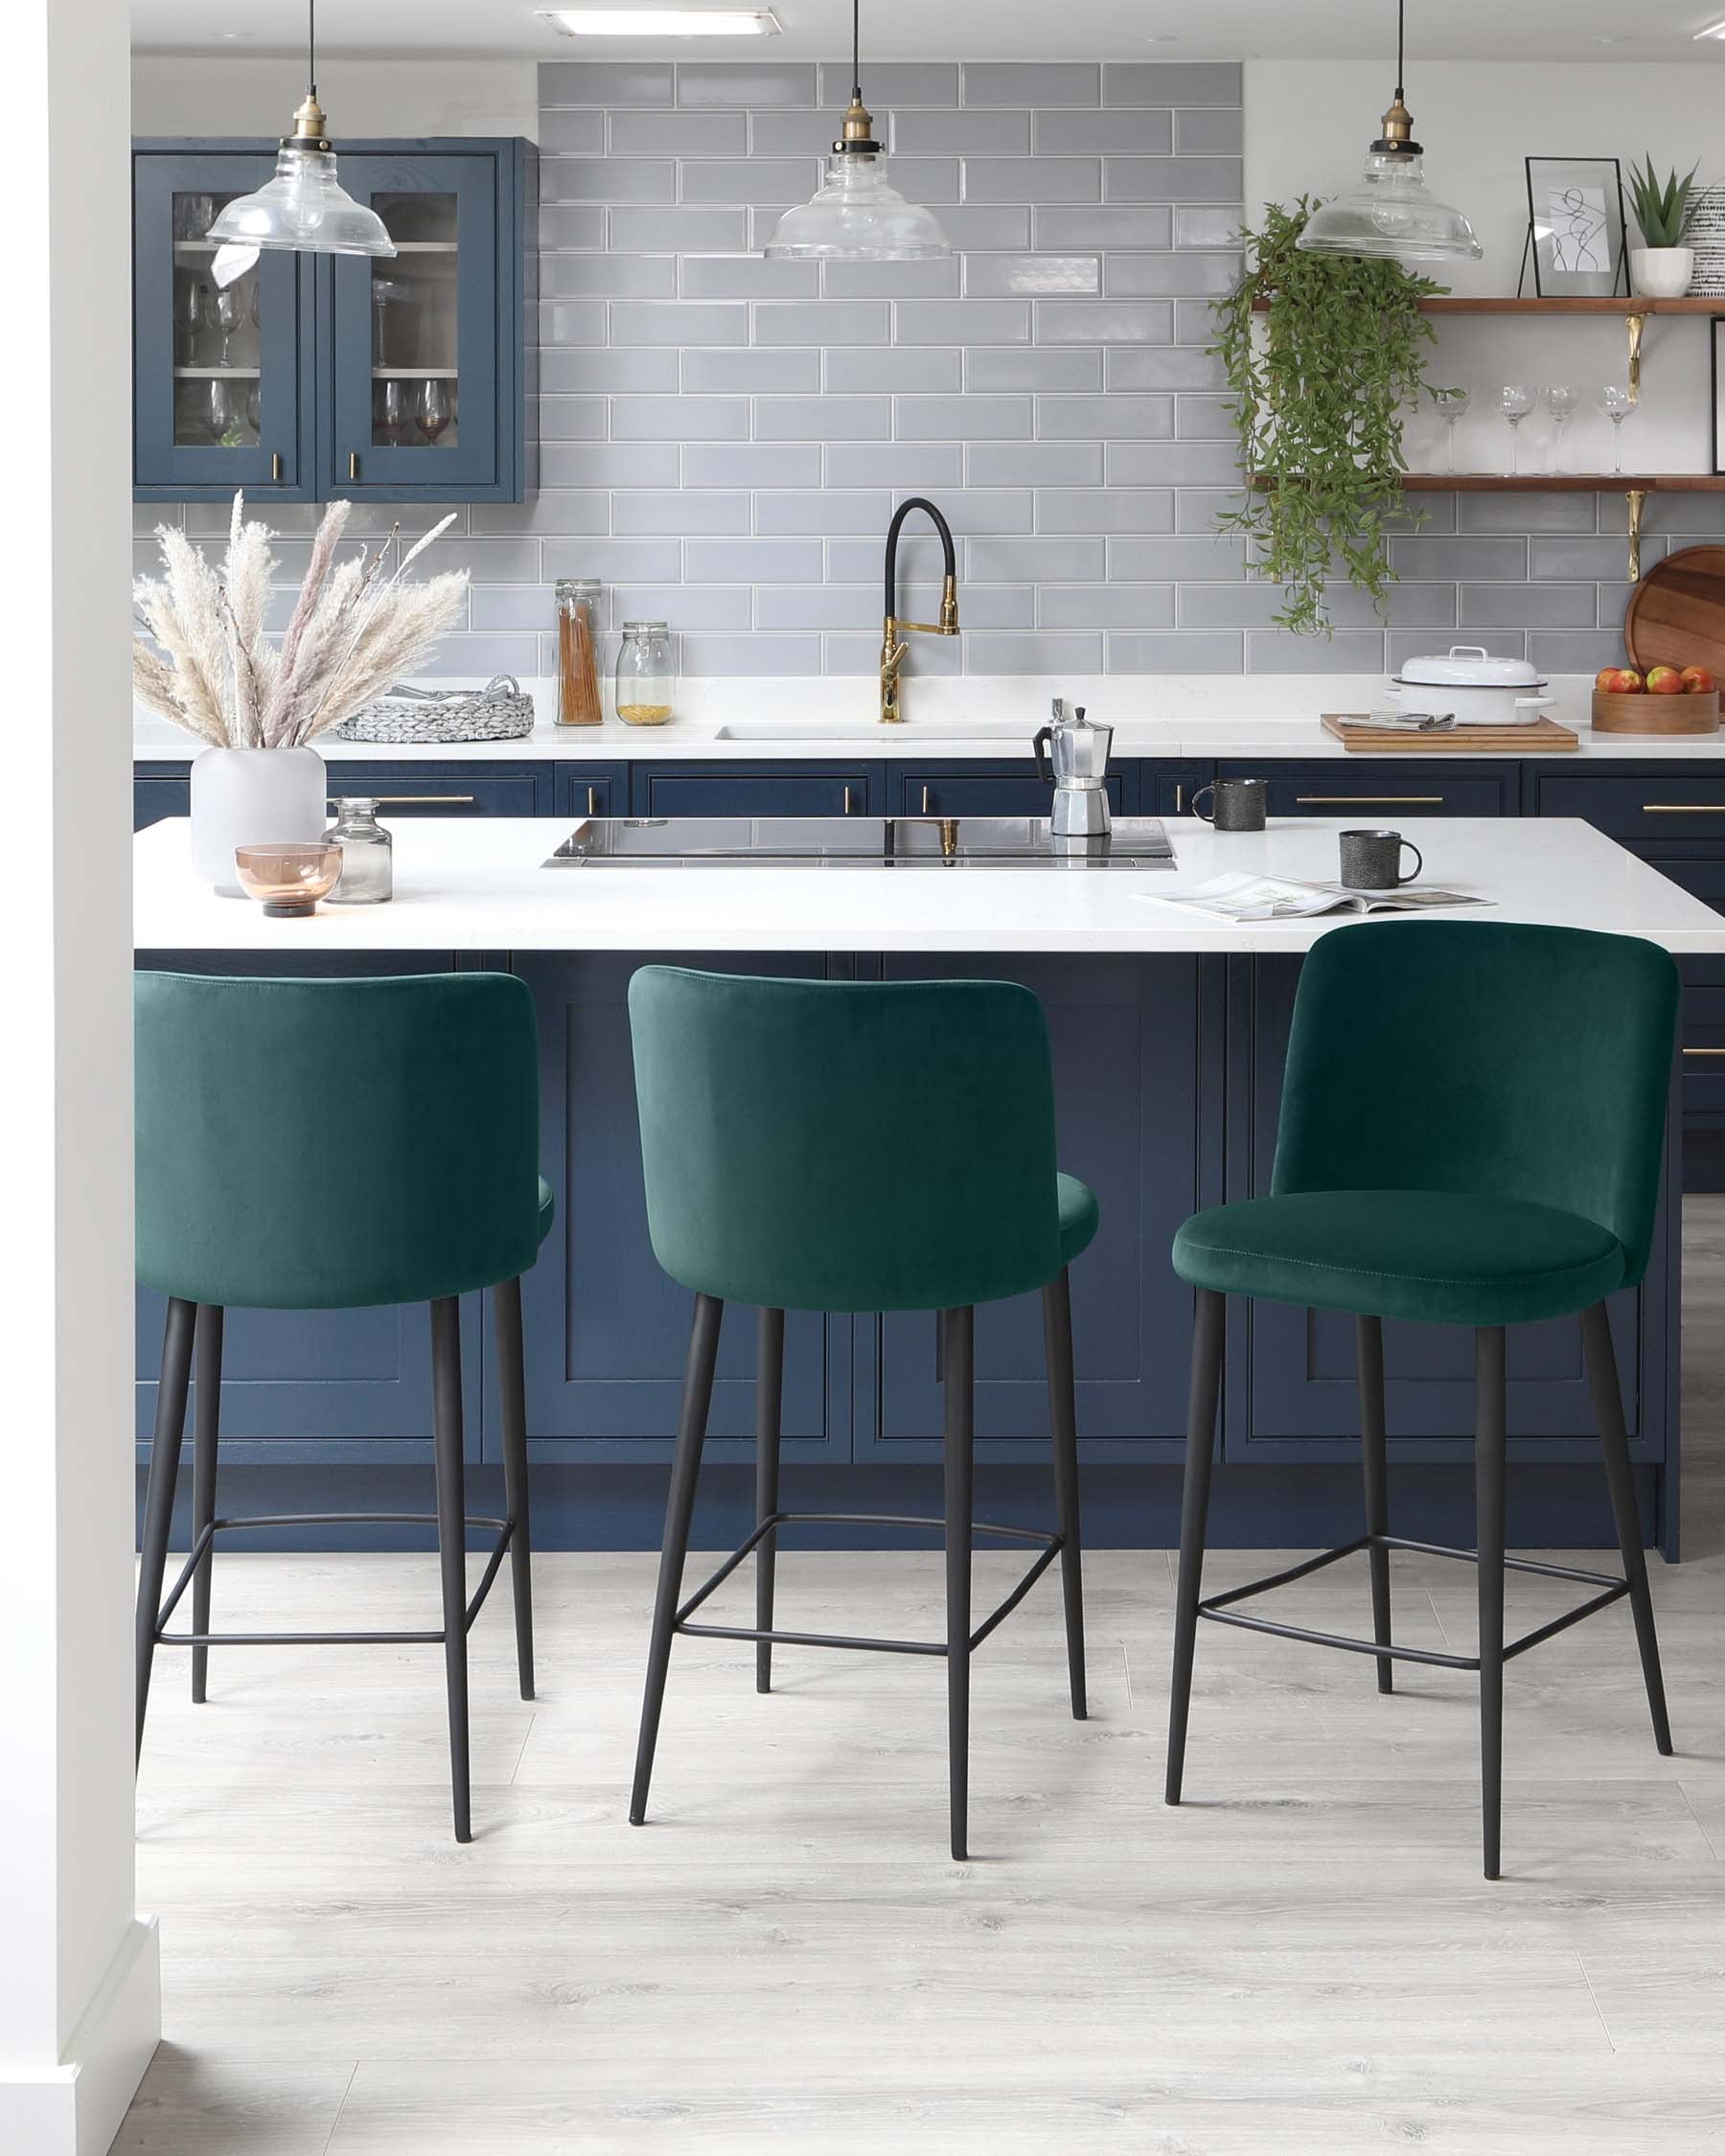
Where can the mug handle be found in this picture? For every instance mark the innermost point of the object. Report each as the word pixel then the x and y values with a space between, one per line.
pixel 1419 863
pixel 1200 814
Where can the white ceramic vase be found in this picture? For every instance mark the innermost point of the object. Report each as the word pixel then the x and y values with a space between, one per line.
pixel 1660 272
pixel 248 797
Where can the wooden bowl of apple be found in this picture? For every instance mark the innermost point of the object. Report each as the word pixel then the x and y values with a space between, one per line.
pixel 1667 700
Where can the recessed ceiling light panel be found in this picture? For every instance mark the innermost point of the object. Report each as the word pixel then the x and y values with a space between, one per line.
pixel 662 22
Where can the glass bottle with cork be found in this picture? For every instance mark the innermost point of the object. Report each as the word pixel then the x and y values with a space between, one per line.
pixel 367 854
pixel 578 652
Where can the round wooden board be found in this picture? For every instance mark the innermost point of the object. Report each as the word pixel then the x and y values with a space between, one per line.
pixel 1676 613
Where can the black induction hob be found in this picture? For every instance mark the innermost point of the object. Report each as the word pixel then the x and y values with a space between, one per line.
pixel 1135 842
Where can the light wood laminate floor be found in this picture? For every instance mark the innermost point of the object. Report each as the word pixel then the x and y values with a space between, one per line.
pixel 1302 1960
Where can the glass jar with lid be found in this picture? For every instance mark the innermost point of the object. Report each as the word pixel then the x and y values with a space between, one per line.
pixel 578 652
pixel 367 854
pixel 646 675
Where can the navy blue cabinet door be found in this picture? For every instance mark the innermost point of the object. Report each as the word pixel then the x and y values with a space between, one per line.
pixel 420 342
pixel 159 794
pixel 338 1386
pixel 607 1331
pixel 989 789
pixel 1129 1040
pixel 737 789
pixel 219 401
pixel 1389 789
pixel 592 790
pixel 1291 1372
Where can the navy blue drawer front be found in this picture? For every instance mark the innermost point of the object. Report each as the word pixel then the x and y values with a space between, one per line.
pixel 1657 807
pixel 988 790
pixel 1386 791
pixel 592 790
pixel 157 794
pixel 733 790
pixel 446 790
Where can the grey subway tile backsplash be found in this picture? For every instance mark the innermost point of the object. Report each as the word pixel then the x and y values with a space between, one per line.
pixel 724 438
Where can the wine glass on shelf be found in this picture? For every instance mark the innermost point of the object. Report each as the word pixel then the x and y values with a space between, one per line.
pixel 1452 409
pixel 189 320
pixel 224 420
pixel 1615 402
pixel 254 409
pixel 230 312
pixel 1515 401
pixel 257 302
pixel 392 410
pixel 1562 403
pixel 433 412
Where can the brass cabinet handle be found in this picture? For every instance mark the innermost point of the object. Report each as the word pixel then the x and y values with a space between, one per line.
pixel 1704 1051
pixel 1180 797
pixel 847 801
pixel 353 464
pixel 592 800
pixel 1366 800
pixel 1683 808
pixel 275 463
pixel 403 800
pixel 925 803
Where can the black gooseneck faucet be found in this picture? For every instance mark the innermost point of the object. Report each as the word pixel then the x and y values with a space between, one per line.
pixel 892 630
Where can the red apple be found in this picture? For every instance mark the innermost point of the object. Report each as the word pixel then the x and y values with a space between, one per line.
pixel 1606 679
pixel 1698 681
pixel 1664 681
pixel 1628 682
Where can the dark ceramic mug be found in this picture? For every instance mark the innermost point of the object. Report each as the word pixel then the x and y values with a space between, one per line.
pixel 1372 860
pixel 1236 804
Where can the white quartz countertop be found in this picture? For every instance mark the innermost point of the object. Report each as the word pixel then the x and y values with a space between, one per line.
pixel 480 887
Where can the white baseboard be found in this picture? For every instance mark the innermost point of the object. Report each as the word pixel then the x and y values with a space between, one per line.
pixel 77 2107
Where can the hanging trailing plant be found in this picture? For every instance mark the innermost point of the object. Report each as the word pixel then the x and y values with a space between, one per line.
pixel 1321 398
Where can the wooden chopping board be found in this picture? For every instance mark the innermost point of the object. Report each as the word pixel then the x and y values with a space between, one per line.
pixel 1676 613
pixel 1543 738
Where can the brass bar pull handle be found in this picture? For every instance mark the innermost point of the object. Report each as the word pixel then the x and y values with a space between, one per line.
pixel 1180 797
pixel 592 800
pixel 406 801
pixel 847 800
pixel 1683 808
pixel 1704 1051
pixel 1368 800
pixel 925 800
pixel 275 463
pixel 353 464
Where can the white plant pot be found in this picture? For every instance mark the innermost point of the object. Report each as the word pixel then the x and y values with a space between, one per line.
pixel 249 797
pixel 1660 272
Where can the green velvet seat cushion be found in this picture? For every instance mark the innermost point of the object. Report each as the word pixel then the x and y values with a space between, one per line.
pixel 1079 1214
pixel 1441 1256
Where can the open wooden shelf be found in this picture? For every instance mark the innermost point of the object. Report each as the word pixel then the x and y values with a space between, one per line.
pixel 1454 303
pixel 1563 482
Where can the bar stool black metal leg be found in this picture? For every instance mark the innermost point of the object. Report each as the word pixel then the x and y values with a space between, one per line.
pixel 1368 1344
pixel 679 1511
pixel 158 1503
pixel 770 1395
pixel 1194 1514
pixel 1063 1420
pixel 959 1361
pixel 451 1542
pixel 1489 1409
pixel 512 1403
pixel 1608 1411
pixel 206 1437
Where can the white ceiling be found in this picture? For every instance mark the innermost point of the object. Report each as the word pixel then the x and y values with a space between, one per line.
pixel 1526 29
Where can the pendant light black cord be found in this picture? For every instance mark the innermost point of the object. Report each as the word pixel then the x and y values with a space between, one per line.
pixel 855 52
pixel 311 45
pixel 1401 34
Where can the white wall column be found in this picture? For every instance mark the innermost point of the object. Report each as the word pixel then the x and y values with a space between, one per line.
pixel 78 1997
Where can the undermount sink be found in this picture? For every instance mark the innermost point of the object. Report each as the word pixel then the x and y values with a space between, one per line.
pixel 872 729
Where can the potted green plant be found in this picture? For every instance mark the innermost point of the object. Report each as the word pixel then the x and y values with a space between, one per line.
pixel 1325 354
pixel 1660 268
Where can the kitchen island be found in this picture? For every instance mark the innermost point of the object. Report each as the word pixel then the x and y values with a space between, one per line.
pixel 1169 1031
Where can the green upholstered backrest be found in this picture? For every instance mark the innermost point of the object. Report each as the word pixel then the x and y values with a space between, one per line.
pixel 1484 1056
pixel 322 1144
pixel 834 1145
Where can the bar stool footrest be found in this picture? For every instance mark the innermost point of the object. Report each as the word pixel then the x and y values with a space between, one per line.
pixel 1218 1607
pixel 1048 1548
pixel 504 1530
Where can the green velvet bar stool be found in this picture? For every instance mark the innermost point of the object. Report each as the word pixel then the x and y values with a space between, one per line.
pixel 328 1145
pixel 1472 1120
pixel 855 1146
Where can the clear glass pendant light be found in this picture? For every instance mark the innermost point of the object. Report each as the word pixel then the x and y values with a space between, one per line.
pixel 1389 210
pixel 303 207
pixel 856 215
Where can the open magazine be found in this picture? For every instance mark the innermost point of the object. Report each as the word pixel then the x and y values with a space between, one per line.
pixel 1240 897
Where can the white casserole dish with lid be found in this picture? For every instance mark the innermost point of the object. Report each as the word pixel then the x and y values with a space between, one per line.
pixel 1481 691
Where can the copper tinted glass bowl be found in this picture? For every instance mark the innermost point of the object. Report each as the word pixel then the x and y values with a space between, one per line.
pixel 288 879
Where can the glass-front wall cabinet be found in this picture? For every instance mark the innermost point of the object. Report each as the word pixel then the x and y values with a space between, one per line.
pixel 314 376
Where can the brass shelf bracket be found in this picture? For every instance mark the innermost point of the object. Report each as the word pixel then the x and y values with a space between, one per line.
pixel 1638 502
pixel 1636 325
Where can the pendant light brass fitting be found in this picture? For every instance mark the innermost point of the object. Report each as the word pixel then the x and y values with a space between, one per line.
pixel 858 129
pixel 309 127
pixel 1397 137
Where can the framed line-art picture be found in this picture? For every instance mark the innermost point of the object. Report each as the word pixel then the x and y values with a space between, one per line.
pixel 1575 227
pixel 1716 331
